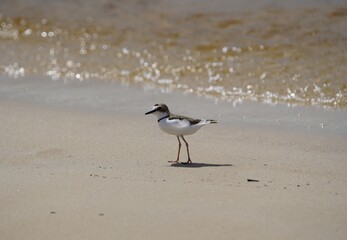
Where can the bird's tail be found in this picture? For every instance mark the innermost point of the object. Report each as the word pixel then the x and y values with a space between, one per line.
pixel 212 121
pixel 207 121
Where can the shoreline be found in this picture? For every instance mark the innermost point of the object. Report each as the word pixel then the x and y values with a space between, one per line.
pixel 81 161
pixel 112 98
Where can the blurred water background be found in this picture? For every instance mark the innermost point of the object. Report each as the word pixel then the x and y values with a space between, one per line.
pixel 292 52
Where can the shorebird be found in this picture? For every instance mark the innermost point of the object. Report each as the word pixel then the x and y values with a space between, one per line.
pixel 177 125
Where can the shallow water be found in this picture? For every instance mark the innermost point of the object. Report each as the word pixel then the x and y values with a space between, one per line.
pixel 265 51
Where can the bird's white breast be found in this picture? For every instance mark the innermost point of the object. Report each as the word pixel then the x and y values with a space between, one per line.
pixel 178 127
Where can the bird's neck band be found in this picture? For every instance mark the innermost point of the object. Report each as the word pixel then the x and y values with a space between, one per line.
pixel 162 118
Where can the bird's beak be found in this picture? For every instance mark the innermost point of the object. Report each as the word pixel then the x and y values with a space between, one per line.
pixel 152 111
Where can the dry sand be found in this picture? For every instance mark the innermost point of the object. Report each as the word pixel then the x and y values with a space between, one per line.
pixel 73 172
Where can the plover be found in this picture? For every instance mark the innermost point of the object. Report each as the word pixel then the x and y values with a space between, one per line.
pixel 177 125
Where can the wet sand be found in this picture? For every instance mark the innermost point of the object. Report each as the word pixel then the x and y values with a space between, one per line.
pixel 78 162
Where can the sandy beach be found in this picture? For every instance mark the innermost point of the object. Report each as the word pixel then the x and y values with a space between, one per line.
pixel 80 160
pixel 94 167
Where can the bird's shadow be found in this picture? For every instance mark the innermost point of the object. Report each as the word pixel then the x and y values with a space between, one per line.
pixel 199 165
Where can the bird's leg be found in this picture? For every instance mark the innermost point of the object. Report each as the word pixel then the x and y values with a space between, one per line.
pixel 179 150
pixel 189 161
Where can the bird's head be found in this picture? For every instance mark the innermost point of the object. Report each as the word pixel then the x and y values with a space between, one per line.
pixel 159 109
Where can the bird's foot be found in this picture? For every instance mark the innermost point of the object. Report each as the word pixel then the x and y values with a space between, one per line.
pixel 175 162
pixel 189 161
